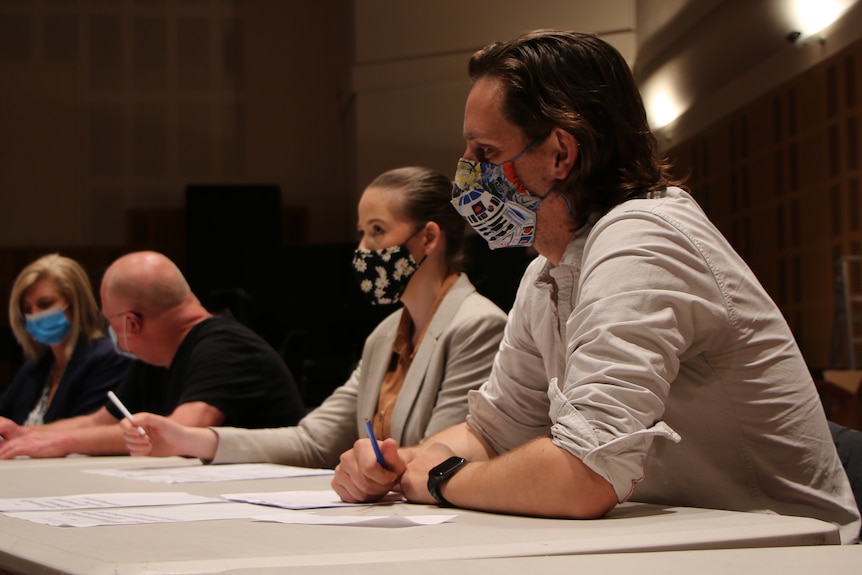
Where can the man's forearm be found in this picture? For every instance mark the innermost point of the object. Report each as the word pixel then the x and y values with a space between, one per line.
pixel 459 438
pixel 538 479
pixel 94 440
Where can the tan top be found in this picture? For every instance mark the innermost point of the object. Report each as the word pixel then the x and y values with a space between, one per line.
pixel 455 356
pixel 403 351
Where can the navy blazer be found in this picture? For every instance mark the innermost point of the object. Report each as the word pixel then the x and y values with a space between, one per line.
pixel 94 368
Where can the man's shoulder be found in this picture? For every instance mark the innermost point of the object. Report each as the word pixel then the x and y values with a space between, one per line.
pixel 221 334
pixel 672 204
pixel 142 371
pixel 221 327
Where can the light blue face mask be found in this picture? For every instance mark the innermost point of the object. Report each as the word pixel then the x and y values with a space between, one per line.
pixel 495 203
pixel 48 327
pixel 113 336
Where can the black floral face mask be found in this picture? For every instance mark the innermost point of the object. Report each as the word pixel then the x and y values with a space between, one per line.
pixel 383 274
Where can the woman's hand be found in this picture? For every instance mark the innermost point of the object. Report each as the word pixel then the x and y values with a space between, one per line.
pixel 359 477
pixel 166 437
pixel 10 430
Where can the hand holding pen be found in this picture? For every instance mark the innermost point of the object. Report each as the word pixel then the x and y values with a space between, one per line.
pixel 368 473
pixel 119 404
pixel 370 429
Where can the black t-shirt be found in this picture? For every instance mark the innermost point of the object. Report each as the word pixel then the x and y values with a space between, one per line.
pixel 224 364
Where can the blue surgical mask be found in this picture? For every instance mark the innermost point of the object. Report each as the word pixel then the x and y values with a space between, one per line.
pixel 495 203
pixel 113 336
pixel 48 327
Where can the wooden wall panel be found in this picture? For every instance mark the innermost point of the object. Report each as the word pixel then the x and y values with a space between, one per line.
pixel 780 177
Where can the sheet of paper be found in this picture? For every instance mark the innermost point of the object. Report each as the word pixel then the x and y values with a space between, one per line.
pixel 213 512
pixel 204 473
pixel 140 515
pixel 365 520
pixel 304 499
pixel 103 500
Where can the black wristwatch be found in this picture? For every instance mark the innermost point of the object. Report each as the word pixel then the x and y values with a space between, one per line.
pixel 440 474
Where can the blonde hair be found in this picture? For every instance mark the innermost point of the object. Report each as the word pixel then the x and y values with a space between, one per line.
pixel 71 281
pixel 425 196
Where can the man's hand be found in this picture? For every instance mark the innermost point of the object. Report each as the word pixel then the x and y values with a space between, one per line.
pixel 360 478
pixel 414 481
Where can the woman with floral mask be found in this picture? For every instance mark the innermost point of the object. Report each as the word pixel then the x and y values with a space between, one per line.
pixel 417 365
pixel 70 363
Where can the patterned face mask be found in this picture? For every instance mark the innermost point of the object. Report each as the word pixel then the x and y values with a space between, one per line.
pixel 495 203
pixel 383 274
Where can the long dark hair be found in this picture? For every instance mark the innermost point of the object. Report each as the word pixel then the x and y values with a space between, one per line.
pixel 583 85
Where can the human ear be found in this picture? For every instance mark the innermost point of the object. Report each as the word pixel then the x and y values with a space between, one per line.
pixel 431 235
pixel 566 152
pixel 134 323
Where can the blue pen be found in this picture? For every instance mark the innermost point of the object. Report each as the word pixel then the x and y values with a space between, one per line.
pixel 376 447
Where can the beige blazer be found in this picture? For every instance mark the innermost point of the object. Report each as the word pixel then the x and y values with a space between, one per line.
pixel 455 356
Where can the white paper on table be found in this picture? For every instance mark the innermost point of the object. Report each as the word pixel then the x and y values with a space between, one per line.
pixel 205 473
pixel 304 499
pixel 364 521
pixel 140 515
pixel 103 500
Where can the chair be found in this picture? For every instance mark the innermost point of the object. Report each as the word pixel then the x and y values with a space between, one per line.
pixel 848 442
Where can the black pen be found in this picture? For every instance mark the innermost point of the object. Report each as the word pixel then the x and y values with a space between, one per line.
pixel 376 447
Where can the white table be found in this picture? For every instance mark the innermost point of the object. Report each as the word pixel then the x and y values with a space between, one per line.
pixel 244 546
pixel 831 559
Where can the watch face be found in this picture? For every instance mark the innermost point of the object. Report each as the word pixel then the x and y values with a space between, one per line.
pixel 440 474
pixel 447 466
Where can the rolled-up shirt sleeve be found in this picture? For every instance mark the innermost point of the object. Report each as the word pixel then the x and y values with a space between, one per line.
pixel 647 300
pixel 619 460
pixel 643 301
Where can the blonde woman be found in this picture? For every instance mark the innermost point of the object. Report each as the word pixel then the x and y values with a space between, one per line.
pixel 70 363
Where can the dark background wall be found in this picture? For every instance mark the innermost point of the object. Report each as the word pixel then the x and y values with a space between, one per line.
pixel 110 109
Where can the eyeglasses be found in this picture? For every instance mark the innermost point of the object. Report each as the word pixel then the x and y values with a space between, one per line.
pixel 118 314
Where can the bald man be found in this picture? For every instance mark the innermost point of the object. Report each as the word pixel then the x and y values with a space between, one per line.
pixel 194 367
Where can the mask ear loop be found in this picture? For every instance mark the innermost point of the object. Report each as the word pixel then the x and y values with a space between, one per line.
pixel 532 144
pixel 126 333
pixel 566 200
pixel 413 235
pixel 509 168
